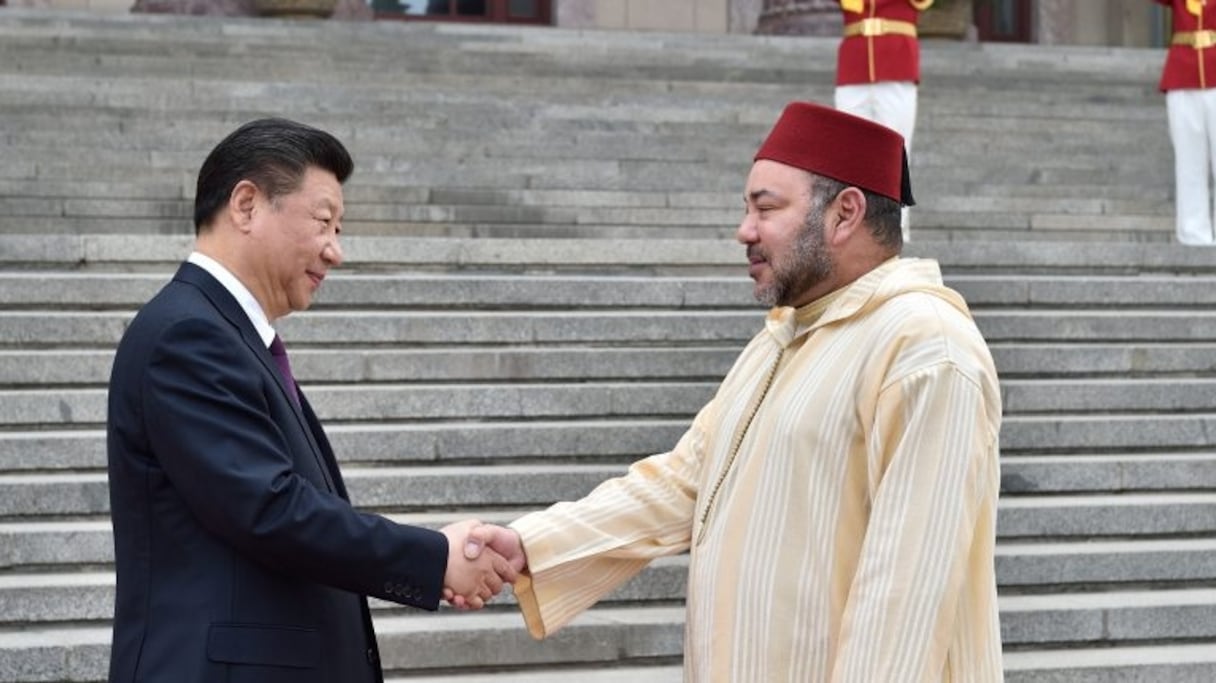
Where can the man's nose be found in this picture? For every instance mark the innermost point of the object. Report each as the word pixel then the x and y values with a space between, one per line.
pixel 746 234
pixel 333 252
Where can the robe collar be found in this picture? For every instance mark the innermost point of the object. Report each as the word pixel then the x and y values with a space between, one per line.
pixel 786 323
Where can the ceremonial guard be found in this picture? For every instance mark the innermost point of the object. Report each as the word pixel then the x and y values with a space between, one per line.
pixel 878 65
pixel 1188 80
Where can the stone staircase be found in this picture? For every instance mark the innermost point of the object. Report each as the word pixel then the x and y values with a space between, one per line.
pixel 540 288
pixel 486 132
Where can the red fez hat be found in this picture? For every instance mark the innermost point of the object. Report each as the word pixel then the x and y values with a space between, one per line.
pixel 847 148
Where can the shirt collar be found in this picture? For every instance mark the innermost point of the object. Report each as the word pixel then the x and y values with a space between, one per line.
pixel 239 292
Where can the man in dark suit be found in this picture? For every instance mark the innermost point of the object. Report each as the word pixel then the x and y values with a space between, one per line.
pixel 239 557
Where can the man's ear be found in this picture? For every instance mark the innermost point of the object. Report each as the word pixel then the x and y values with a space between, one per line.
pixel 849 216
pixel 241 204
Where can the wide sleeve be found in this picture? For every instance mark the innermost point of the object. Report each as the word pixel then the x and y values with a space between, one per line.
pixel 580 551
pixel 209 423
pixel 933 483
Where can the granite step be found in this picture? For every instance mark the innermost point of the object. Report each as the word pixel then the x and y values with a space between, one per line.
pixel 1099 198
pixel 85 544
pixel 79 445
pixel 92 290
pixel 1049 229
pixel 407 643
pixel 1130 359
pixel 345 403
pixel 1122 472
pixel 538 137
pixel 1174 663
pixel 623 440
pixel 447 142
pixel 173 215
pixel 63 496
pixel 1111 617
pixel 723 256
pixel 73 596
pixel 1106 515
pixel 1177 395
pixel 56 289
pixel 64 407
pixel 671 111
pixel 104 329
pixel 1182 663
pixel 385 168
pixel 508 98
pixel 453 254
pixel 83 589
pixel 720 170
pixel 1087 563
pixel 1136 446
pixel 62 330
pixel 362 364
pixel 608 634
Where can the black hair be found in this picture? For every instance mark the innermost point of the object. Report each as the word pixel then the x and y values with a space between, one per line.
pixel 882 213
pixel 271 153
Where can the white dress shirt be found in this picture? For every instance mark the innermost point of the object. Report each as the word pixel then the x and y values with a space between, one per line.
pixel 240 292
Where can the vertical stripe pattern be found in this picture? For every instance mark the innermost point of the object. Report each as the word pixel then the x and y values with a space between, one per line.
pixel 851 537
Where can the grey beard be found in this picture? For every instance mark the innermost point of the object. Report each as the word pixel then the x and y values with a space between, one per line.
pixel 808 263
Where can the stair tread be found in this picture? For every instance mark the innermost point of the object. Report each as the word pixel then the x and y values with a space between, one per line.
pixel 1123 655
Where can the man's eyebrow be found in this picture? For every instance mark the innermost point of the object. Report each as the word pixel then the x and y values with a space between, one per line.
pixel 757 195
pixel 325 203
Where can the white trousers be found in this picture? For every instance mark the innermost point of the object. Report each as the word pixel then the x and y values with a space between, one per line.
pixel 1192 116
pixel 891 103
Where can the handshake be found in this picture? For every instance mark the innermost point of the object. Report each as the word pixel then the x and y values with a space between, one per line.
pixel 481 558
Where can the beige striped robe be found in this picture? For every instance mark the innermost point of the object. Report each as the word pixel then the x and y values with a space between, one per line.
pixel 838 496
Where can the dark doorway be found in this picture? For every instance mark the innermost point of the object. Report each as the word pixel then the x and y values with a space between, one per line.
pixel 1003 21
pixel 487 11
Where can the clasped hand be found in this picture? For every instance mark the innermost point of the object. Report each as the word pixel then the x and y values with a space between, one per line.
pixel 481 558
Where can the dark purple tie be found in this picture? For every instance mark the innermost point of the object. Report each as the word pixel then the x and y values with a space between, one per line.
pixel 279 353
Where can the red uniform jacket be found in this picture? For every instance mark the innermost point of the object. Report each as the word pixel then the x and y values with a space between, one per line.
pixel 870 59
pixel 1185 66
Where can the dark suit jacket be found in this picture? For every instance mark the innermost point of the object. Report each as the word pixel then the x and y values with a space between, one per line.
pixel 239 558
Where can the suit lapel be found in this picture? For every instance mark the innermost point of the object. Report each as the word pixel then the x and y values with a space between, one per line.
pixel 228 307
pixel 326 451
